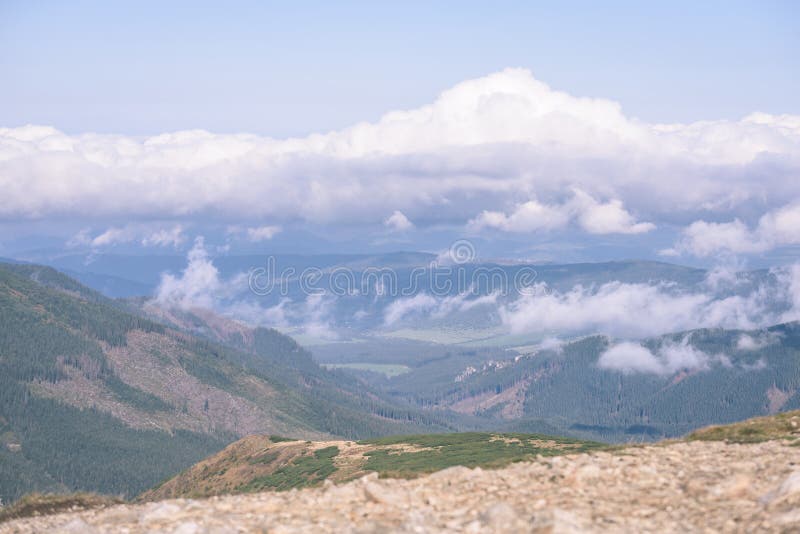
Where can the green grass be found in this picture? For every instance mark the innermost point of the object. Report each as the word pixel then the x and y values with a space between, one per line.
pixel 470 449
pixel 277 439
pixel 781 426
pixel 35 504
pixel 387 369
pixel 302 472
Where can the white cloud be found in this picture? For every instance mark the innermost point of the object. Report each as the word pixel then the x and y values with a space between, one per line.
pixel 198 286
pixel 146 235
pixel 750 343
pixel 630 358
pixel 593 216
pixel 606 218
pixel 776 228
pixel 530 216
pixel 505 139
pixel 262 233
pixel 638 310
pixel 168 237
pixel 405 306
pixel 398 222
pixel 670 357
pixel 435 307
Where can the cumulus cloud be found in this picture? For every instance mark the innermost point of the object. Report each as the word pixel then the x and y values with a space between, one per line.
pixel 776 228
pixel 398 222
pixel 530 216
pixel 198 286
pixel 593 216
pixel 638 310
pixel 606 218
pixel 670 357
pixel 506 139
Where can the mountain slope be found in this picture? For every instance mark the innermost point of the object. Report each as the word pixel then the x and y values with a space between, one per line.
pixel 93 397
pixel 718 376
pixel 259 463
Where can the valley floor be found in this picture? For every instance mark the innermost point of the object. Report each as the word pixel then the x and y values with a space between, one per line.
pixel 691 486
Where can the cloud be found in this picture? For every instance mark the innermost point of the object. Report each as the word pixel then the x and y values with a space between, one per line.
pixel 593 216
pixel 405 306
pixel 776 228
pixel 168 237
pixel 638 310
pixel 198 286
pixel 262 233
pixel 487 144
pixel 630 358
pixel 435 307
pixel 528 217
pixel 606 218
pixel 146 235
pixel 671 357
pixel 751 343
pixel 398 222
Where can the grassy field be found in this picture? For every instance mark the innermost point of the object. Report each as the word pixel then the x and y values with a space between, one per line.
pixel 387 369
pixel 433 452
pixel 301 472
pixel 781 426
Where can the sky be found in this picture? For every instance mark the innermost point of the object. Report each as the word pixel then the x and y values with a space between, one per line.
pixel 560 131
pixel 293 68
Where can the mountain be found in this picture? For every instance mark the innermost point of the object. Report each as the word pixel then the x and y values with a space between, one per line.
pixel 712 376
pixel 94 396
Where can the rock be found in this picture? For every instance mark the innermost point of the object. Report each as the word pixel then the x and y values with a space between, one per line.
pixel 501 517
pixel 77 526
pixel 384 494
pixel 671 487
pixel 734 487
pixel 160 511
pixel 790 486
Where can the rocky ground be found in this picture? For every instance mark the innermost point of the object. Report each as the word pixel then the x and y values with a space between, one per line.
pixel 674 487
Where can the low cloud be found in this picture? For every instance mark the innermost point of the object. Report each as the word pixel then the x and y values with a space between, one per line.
pixel 752 343
pixel 435 307
pixel 670 358
pixel 638 310
pixel 400 308
pixel 198 286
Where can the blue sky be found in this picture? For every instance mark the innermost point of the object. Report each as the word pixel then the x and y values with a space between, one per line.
pixel 293 68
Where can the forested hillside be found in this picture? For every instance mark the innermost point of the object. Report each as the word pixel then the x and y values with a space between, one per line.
pixel 718 376
pixel 93 397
